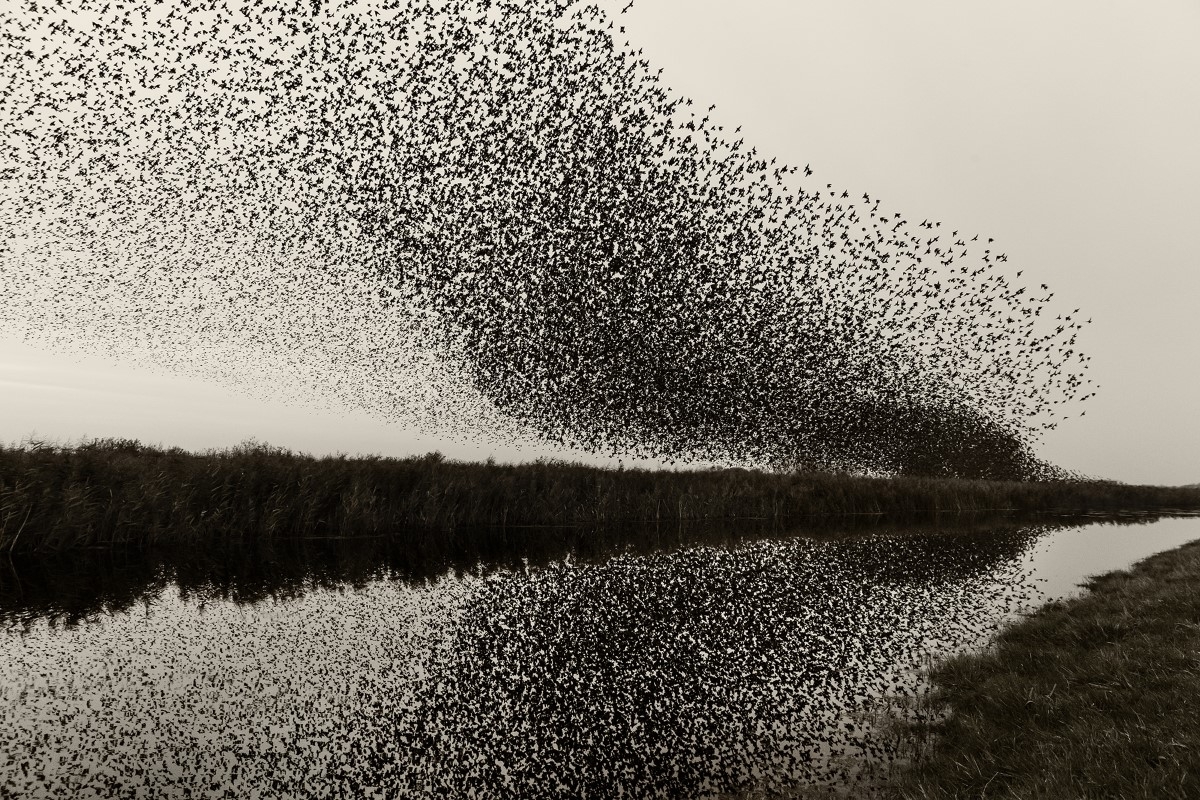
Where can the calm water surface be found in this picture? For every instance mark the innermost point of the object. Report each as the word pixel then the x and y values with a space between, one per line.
pixel 678 672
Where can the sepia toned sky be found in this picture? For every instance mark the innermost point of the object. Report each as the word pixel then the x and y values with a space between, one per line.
pixel 1066 131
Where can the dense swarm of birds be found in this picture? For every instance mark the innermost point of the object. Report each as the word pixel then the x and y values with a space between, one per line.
pixel 495 217
pixel 668 674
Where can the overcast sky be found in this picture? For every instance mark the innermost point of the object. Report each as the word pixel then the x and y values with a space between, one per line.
pixel 1067 131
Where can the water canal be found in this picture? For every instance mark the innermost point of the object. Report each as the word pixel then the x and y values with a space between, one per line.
pixel 683 669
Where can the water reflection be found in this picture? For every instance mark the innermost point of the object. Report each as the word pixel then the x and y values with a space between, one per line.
pixel 75 586
pixel 693 663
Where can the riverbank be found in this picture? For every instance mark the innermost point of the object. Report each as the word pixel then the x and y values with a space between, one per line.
pixel 108 493
pixel 1097 696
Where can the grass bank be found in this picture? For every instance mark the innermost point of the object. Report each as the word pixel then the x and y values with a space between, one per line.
pixel 1098 696
pixel 122 493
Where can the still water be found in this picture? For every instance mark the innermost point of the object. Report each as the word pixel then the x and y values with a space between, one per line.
pixel 704 666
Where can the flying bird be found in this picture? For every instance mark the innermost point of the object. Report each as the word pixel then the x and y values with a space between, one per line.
pixel 497 219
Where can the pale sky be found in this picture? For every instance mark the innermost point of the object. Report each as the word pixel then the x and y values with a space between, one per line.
pixel 1067 131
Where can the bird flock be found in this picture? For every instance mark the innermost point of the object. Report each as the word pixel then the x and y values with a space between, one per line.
pixel 495 218
pixel 670 674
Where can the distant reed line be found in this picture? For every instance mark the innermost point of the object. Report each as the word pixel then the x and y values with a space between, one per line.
pixel 122 493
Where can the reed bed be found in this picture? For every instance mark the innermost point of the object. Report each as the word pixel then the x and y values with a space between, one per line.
pixel 108 493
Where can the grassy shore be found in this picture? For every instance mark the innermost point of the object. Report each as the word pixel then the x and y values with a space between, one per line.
pixel 1097 696
pixel 117 493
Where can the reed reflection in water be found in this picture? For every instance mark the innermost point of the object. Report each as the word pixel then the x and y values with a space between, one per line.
pixel 669 671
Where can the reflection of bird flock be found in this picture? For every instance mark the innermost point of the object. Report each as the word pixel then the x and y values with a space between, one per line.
pixel 663 675
pixel 494 214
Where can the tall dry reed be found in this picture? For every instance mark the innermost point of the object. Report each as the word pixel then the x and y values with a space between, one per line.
pixel 120 492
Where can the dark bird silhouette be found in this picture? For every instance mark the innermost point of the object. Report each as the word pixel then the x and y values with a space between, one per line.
pixel 495 219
